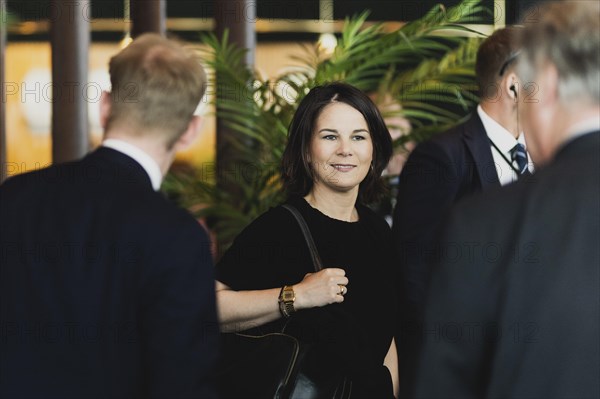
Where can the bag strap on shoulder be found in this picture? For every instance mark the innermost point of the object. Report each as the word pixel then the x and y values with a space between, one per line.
pixel 314 254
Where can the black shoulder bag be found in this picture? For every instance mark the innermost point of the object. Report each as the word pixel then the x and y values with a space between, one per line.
pixel 282 365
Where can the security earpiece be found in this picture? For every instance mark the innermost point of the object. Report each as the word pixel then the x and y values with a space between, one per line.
pixel 514 90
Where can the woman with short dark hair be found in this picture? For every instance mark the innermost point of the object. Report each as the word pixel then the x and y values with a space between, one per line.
pixel 337 148
pixel 297 172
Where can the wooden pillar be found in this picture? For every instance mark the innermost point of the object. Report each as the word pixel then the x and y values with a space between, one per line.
pixel 70 38
pixel 148 16
pixel 239 18
pixel 3 159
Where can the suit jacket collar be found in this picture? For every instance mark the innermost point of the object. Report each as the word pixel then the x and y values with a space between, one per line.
pixel 478 143
pixel 118 167
pixel 140 156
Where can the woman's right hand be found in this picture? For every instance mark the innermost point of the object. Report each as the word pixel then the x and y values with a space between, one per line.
pixel 320 289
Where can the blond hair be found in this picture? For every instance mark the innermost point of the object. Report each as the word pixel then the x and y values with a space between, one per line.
pixel 157 85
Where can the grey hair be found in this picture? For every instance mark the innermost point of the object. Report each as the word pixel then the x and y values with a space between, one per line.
pixel 566 34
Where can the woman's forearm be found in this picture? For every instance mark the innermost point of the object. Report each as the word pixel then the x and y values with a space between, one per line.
pixel 241 310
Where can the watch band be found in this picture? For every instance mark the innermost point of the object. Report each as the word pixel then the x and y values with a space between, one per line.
pixel 282 308
pixel 286 300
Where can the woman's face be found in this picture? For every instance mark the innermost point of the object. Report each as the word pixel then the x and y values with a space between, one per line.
pixel 341 148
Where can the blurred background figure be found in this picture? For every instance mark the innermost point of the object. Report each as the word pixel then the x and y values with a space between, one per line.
pixel 480 154
pixel 106 288
pixel 513 306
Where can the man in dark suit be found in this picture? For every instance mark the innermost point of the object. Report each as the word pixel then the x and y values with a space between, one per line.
pixel 474 156
pixel 106 288
pixel 514 305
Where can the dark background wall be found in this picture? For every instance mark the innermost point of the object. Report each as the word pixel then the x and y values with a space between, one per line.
pixel 519 10
pixel 381 10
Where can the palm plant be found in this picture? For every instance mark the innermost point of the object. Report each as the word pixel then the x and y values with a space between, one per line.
pixel 426 74
pixel 7 17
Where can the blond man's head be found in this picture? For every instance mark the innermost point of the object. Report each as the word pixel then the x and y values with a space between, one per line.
pixel 156 86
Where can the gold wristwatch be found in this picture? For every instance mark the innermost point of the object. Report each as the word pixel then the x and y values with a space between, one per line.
pixel 286 301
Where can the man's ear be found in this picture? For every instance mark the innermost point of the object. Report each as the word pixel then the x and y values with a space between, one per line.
pixel 512 86
pixel 190 134
pixel 105 107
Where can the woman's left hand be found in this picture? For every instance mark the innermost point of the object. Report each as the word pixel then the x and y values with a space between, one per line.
pixel 322 288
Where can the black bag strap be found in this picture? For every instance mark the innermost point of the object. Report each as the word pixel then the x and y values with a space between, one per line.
pixel 314 254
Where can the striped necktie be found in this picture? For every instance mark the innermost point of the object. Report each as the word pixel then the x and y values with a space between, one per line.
pixel 519 156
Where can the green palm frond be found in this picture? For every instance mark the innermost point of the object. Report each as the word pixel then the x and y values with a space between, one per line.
pixel 437 91
pixel 8 18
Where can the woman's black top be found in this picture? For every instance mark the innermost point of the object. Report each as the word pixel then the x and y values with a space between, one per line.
pixel 272 252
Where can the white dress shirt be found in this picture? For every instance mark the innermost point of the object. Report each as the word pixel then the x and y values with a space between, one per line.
pixel 145 160
pixel 505 142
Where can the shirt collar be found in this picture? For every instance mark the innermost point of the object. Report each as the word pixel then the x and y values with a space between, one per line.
pixel 146 161
pixel 501 137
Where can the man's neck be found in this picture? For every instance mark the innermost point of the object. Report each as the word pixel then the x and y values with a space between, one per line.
pixel 505 116
pixel 577 122
pixel 156 151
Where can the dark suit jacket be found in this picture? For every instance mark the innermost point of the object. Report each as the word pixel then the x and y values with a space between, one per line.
pixel 514 306
pixel 438 173
pixel 106 288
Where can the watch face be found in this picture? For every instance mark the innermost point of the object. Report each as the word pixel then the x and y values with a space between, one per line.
pixel 288 295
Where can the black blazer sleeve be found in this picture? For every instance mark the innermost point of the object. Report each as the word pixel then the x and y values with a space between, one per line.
pixel 429 184
pixel 459 328
pixel 179 321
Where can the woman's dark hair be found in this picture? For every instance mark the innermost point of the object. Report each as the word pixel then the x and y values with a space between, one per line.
pixel 297 173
